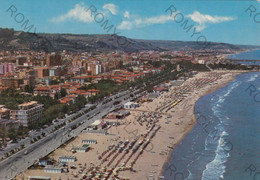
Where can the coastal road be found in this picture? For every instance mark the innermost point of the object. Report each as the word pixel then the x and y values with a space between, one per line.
pixel 27 141
pixel 20 161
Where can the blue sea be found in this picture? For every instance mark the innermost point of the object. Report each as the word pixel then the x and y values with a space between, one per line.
pixel 225 142
pixel 249 55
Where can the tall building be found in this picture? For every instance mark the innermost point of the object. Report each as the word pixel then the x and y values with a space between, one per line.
pixel 7 124
pixel 178 67
pixel 42 72
pixel 98 69
pixel 21 60
pixel 92 69
pixel 56 71
pixel 7 68
pixel 54 60
pixel 44 91
pixel 27 113
pixel 12 82
pixel 2 69
pixel 4 112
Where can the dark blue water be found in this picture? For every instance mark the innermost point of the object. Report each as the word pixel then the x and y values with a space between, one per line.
pixel 226 139
pixel 250 55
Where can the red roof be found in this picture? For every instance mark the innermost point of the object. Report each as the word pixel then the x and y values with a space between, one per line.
pixel 119 81
pixel 66 99
pixel 3 88
pixel 54 86
pixel 85 93
pixel 82 77
pixel 78 92
pixel 71 95
pixel 93 90
pixel 42 88
pixel 117 77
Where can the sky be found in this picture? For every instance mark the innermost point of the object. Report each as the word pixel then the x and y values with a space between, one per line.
pixel 233 21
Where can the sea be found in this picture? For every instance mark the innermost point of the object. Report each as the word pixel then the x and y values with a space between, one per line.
pixel 225 141
pixel 249 55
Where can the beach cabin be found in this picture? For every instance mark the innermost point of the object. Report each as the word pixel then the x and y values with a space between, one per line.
pixel 91 131
pixel 160 89
pixel 67 158
pixel 112 122
pixel 39 178
pixel 80 149
pixel 150 97
pixel 131 105
pixel 89 141
pixel 53 169
pixel 175 83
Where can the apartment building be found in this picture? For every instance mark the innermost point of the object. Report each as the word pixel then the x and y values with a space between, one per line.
pixel 54 60
pixel 27 113
pixel 11 82
pixel 6 68
pixel 7 124
pixel 46 91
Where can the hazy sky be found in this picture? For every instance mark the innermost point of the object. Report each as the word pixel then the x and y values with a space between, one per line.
pixel 217 21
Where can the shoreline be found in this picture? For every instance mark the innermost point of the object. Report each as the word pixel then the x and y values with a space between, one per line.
pixel 171 133
pixel 238 52
pixel 194 121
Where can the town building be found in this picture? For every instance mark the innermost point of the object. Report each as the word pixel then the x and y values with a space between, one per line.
pixel 46 91
pixel 4 112
pixel 98 69
pixel 27 113
pixel 93 92
pixel 118 115
pixel 11 82
pixel 66 100
pixel 42 72
pixel 81 79
pixel 6 68
pixel 54 60
pixel 98 124
pixel 201 61
pixel 7 124
pixel 21 60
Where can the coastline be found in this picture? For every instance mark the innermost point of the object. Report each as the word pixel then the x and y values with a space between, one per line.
pixel 238 52
pixel 194 119
pixel 158 152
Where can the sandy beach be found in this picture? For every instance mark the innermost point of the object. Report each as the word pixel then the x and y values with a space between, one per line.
pixel 169 117
pixel 225 56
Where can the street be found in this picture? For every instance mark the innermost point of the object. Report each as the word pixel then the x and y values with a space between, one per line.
pixel 20 161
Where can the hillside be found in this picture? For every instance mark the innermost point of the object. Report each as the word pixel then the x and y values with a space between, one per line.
pixel 19 40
